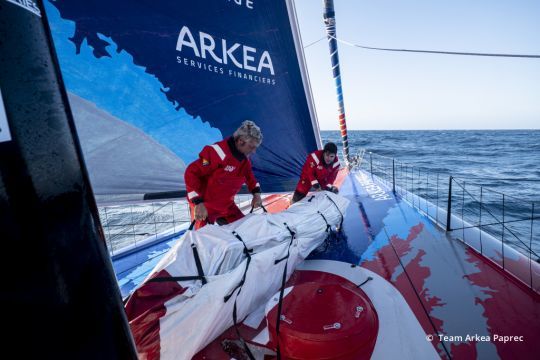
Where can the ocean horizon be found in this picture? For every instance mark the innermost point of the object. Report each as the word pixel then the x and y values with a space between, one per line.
pixel 504 160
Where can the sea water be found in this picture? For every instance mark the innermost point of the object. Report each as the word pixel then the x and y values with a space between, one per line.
pixel 503 160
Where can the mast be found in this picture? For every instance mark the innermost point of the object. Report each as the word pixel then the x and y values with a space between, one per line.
pixel 330 22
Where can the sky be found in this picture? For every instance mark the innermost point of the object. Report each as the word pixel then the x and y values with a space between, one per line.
pixel 402 91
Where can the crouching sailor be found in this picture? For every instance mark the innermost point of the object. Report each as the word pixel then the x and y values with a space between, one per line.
pixel 217 175
pixel 320 171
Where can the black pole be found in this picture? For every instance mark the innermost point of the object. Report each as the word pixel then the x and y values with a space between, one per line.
pixel 502 236
pixel 60 298
pixel 437 200
pixel 480 219
pixel 393 176
pixel 530 244
pixel 449 208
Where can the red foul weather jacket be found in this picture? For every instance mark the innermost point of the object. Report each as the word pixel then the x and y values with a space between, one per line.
pixel 316 172
pixel 216 177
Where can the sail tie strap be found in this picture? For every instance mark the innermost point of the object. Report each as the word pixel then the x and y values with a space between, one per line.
pixel 262 206
pixel 340 213
pixel 282 290
pixel 238 287
pixel 247 252
pixel 328 227
pixel 198 264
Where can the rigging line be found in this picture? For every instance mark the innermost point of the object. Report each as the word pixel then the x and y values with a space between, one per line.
pixel 417 294
pixel 438 52
pixel 314 42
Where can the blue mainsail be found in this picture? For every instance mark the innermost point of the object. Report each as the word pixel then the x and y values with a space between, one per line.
pixel 149 91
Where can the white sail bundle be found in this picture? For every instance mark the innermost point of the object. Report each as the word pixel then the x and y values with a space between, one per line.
pixel 202 312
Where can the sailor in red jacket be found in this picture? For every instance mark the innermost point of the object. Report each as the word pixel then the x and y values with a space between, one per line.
pixel 319 171
pixel 217 175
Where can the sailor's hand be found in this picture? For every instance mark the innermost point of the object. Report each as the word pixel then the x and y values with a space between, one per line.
pixel 333 189
pixel 200 212
pixel 256 201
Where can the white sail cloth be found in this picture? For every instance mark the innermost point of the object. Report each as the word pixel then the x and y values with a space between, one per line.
pixel 200 314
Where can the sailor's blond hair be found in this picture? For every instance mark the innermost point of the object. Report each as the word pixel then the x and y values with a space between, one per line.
pixel 249 131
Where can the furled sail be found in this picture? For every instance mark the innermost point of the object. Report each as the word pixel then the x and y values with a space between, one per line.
pixel 149 91
pixel 241 266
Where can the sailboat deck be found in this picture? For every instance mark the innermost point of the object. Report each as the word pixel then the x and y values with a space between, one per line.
pixel 465 304
pixel 457 294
